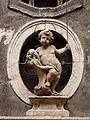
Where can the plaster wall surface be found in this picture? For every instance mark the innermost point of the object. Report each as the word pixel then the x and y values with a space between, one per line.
pixel 10 23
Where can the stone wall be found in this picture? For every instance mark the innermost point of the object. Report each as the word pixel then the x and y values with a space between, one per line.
pixel 10 23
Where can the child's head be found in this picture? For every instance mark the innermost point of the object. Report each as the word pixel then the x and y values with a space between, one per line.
pixel 47 33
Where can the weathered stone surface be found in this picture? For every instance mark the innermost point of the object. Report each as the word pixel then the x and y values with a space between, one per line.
pixel 10 104
pixel 46 12
pixel 48 107
pixel 49 118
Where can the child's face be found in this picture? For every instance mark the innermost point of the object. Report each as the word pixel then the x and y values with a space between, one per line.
pixel 45 40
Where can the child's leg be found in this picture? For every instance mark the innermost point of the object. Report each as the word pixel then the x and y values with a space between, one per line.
pixel 50 75
pixel 54 84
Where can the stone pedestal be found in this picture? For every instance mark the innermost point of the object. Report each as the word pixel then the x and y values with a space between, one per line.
pixel 47 107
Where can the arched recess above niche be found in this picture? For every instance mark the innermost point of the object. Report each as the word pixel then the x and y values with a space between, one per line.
pixel 16 46
pixel 31 10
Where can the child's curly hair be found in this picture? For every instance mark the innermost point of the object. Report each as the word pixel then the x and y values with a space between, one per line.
pixel 47 33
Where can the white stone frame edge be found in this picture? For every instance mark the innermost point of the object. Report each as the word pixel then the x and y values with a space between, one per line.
pixel 23 92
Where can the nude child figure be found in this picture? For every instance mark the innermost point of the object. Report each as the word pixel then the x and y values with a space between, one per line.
pixel 47 54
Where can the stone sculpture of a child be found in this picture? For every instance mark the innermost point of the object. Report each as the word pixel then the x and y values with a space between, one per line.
pixel 47 55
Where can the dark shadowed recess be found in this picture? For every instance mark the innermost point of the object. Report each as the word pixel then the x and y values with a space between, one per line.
pixel 45 3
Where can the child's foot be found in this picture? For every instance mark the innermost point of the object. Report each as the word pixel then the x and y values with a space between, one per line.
pixel 54 93
pixel 47 85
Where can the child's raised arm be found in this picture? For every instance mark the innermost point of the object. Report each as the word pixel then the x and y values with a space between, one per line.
pixel 62 51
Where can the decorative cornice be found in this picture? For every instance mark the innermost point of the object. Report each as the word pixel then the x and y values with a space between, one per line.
pixel 44 12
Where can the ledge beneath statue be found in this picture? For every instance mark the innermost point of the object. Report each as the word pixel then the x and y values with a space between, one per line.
pixel 48 106
pixel 62 97
pixel 40 118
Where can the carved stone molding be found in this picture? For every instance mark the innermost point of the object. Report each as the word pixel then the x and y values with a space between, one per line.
pixel 48 107
pixel 29 118
pixel 46 11
pixel 15 47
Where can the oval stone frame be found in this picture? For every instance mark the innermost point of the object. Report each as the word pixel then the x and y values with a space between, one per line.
pixel 14 50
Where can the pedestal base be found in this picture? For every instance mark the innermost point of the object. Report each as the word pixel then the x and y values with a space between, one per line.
pixel 48 114
pixel 48 107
